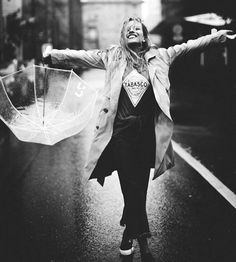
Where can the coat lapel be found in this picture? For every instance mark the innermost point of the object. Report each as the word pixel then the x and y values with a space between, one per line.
pixel 116 84
pixel 160 92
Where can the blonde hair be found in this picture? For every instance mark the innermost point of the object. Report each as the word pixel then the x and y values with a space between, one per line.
pixel 133 59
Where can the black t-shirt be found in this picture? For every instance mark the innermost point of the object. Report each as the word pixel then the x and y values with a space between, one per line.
pixel 136 104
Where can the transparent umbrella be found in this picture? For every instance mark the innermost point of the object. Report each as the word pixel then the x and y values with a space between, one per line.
pixel 45 105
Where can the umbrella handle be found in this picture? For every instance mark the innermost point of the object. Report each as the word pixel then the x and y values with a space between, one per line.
pixel 47 61
pixel 44 93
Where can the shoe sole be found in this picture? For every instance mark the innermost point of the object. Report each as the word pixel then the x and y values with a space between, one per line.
pixel 127 252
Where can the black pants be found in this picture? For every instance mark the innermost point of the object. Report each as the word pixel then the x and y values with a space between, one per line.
pixel 133 172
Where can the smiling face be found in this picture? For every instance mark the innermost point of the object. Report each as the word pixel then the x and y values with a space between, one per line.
pixel 133 33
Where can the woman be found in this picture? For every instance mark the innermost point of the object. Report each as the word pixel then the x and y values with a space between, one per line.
pixel 134 127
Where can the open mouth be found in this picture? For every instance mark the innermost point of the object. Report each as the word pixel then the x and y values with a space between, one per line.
pixel 131 36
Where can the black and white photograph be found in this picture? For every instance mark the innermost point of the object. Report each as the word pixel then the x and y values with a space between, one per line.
pixel 117 131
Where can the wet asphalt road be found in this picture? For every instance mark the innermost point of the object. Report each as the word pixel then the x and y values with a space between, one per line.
pixel 50 212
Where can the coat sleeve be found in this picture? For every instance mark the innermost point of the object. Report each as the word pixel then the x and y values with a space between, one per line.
pixel 201 43
pixel 74 59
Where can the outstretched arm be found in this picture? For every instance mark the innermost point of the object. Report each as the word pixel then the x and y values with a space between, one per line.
pixel 200 43
pixel 73 59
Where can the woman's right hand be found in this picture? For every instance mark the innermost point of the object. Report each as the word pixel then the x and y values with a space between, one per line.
pixel 47 56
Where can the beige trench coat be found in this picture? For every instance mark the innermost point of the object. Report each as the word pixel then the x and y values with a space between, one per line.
pixel 158 61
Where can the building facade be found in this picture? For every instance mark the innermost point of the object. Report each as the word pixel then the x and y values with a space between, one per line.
pixel 152 13
pixel 57 22
pixel 72 24
pixel 10 6
pixel 29 24
pixel 102 20
pixel 7 7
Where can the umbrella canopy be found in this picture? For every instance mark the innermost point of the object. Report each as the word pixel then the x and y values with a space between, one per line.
pixel 45 105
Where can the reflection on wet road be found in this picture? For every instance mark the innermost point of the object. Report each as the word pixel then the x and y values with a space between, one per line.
pixel 52 213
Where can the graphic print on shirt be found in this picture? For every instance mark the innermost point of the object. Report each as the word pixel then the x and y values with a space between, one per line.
pixel 135 85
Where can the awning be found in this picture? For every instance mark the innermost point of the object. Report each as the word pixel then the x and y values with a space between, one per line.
pixel 210 19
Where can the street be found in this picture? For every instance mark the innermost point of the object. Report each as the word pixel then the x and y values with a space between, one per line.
pixel 51 212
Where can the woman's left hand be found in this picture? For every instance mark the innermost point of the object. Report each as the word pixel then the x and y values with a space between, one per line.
pixel 225 34
pixel 231 36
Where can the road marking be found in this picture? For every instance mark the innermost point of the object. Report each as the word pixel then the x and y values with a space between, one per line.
pixel 206 174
